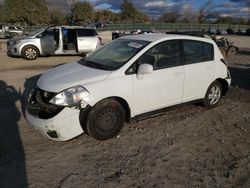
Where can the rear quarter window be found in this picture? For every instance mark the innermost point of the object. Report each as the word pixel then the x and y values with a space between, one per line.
pixel 86 32
pixel 197 51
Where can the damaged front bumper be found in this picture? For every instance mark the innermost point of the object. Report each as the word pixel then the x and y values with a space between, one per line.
pixel 56 122
pixel 64 126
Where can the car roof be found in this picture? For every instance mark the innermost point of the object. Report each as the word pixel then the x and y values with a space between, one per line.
pixel 76 27
pixel 151 37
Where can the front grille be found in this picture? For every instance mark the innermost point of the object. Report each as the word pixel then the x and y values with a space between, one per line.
pixel 38 104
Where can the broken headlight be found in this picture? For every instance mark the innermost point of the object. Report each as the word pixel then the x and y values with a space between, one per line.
pixel 70 97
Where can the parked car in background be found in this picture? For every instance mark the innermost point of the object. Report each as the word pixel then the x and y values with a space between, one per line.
pixel 58 40
pixel 2 31
pixel 231 31
pixel 212 31
pixel 221 32
pixel 247 32
pixel 13 31
pixel 130 77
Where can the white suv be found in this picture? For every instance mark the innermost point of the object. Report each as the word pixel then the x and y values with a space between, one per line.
pixel 59 40
pixel 124 79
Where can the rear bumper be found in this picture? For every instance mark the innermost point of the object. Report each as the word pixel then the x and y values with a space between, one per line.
pixel 64 126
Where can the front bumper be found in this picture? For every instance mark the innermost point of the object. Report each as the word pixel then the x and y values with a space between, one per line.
pixel 64 126
pixel 13 50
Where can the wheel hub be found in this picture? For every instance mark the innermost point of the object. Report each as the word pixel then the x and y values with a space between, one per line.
pixel 214 95
pixel 107 121
pixel 30 53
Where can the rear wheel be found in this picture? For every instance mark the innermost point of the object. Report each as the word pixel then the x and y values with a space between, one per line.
pixel 29 53
pixel 213 95
pixel 105 120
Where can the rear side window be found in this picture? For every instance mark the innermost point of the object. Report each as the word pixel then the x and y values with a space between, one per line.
pixel 196 51
pixel 11 27
pixel 1 27
pixel 86 32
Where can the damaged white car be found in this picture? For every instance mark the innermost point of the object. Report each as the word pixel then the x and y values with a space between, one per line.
pixel 129 77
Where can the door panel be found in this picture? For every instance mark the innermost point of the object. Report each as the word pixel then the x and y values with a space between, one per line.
pixel 86 44
pixel 87 40
pixel 199 68
pixel 47 44
pixel 164 86
pixel 197 79
pixel 160 89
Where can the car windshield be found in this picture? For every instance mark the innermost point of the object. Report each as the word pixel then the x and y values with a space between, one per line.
pixel 36 32
pixel 114 55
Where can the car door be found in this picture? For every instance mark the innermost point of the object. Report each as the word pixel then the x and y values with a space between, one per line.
pixel 86 40
pixel 164 86
pixel 199 68
pixel 47 42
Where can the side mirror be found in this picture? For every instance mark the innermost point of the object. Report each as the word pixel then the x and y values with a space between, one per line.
pixel 145 69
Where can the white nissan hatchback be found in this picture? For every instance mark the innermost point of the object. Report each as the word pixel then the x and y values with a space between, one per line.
pixel 129 77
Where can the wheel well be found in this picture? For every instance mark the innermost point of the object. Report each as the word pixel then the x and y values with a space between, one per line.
pixel 125 105
pixel 84 112
pixel 224 85
pixel 33 47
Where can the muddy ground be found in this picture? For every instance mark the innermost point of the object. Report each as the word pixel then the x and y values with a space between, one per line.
pixel 188 146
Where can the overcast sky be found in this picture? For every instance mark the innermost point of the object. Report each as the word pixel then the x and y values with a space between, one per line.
pixel 235 8
pixel 154 8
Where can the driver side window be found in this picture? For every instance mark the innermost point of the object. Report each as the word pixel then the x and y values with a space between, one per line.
pixel 163 55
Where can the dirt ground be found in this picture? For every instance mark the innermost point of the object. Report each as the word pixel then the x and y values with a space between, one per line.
pixel 188 146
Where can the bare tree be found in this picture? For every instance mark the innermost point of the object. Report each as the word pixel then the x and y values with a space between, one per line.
pixel 205 11
pixel 189 14
pixel 168 17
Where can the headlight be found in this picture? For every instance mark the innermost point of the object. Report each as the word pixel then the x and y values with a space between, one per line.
pixel 15 42
pixel 70 97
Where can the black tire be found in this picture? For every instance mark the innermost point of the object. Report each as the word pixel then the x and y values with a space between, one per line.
pixel 105 119
pixel 30 53
pixel 213 95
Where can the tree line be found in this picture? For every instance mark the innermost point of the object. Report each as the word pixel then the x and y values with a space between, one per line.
pixel 36 12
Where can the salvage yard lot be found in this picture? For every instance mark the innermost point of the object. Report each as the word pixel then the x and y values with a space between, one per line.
pixel 188 146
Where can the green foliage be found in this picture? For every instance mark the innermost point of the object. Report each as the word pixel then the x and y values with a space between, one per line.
pixel 106 16
pixel 82 13
pixel 57 17
pixel 28 11
pixel 2 18
pixel 130 14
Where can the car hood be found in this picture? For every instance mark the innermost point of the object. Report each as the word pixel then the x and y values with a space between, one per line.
pixel 19 38
pixel 70 75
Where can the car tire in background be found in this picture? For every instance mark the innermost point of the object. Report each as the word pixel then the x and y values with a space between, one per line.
pixel 213 95
pixel 30 52
pixel 105 119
